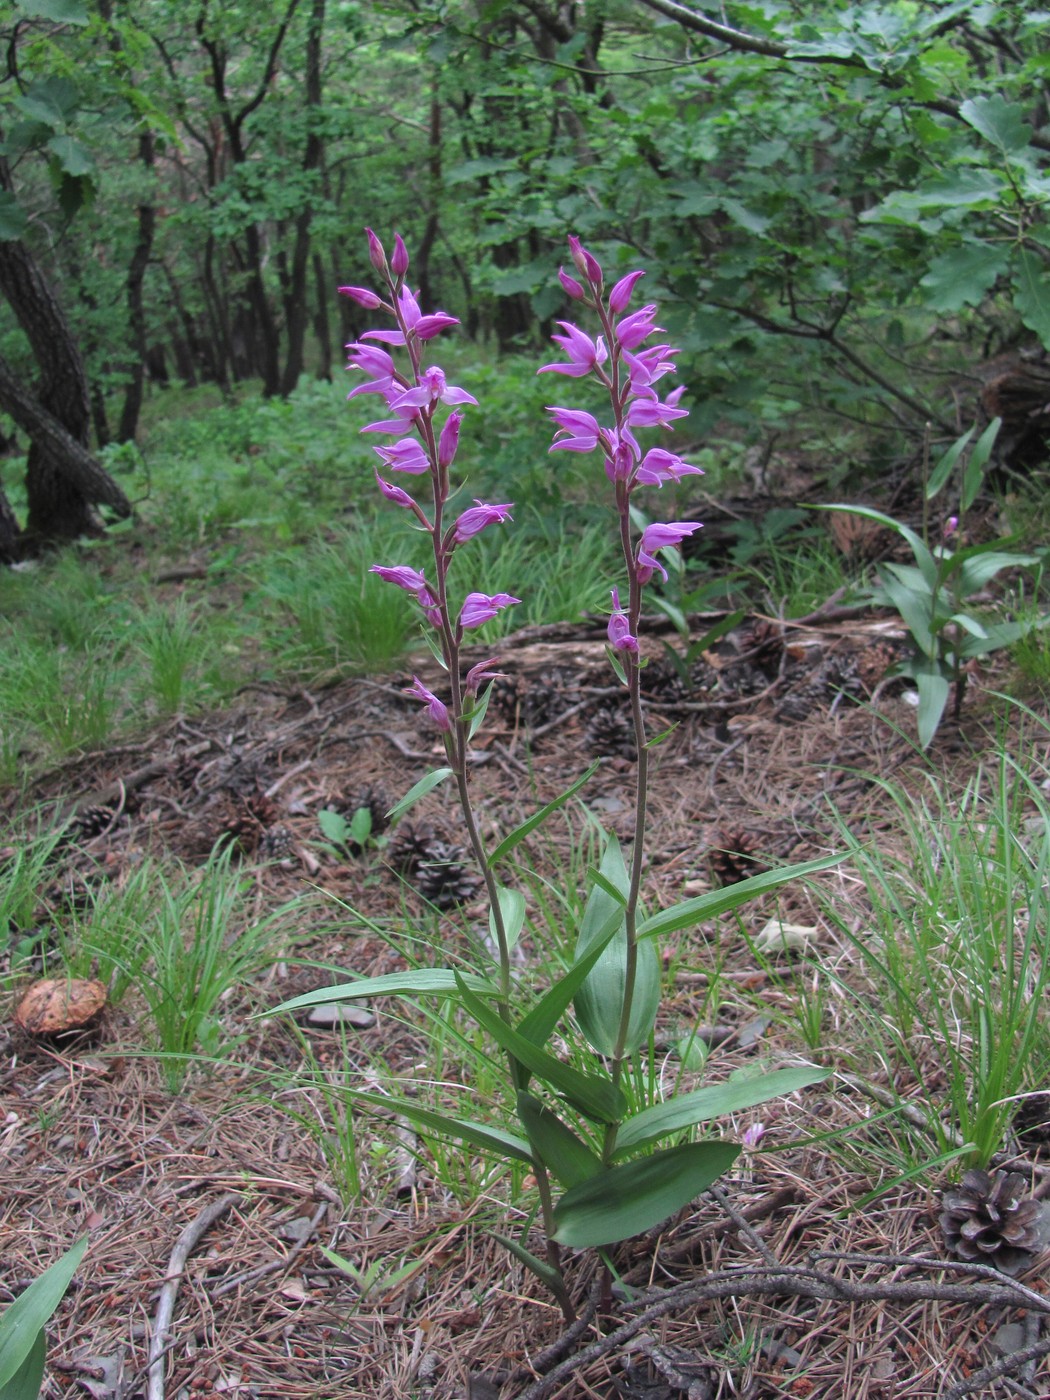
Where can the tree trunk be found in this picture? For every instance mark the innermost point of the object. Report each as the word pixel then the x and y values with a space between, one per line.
pixel 147 223
pixel 8 531
pixel 296 310
pixel 63 480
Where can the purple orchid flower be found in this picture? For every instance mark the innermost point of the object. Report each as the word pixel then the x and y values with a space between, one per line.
pixel 399 257
pixel 483 607
pixel 432 388
pixel 376 256
pixel 394 493
pixel 571 285
pixel 412 581
pixel 436 709
pixel 479 674
pixel 577 431
pixel 377 364
pixel 632 330
pixel 619 633
pixel 660 537
pixel 651 413
pixel 448 442
pixel 477 517
pixel 658 465
pixel 584 353
pixel 405 456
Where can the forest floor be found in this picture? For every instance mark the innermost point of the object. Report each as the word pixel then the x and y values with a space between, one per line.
pixel 777 740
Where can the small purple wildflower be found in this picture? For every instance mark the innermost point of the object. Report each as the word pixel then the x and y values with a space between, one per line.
pixel 571 285
pixel 578 431
pixel 412 581
pixel 482 607
pixel 585 354
pixel 436 709
pixel 477 517
pixel 479 674
pixel 660 537
pixel 620 636
pixel 586 263
pixel 448 442
pixel 399 257
pixel 632 330
pixel 376 256
pixel 432 387
pixel 405 456
pixel 394 493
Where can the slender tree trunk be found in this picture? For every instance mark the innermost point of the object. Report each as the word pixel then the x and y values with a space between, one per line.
pixel 63 480
pixel 322 322
pixel 8 531
pixel 296 309
pixel 147 224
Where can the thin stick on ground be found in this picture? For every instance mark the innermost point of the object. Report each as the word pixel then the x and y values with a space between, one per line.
pixel 184 1247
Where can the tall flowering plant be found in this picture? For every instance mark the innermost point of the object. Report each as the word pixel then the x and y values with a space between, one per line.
pixel 608 1161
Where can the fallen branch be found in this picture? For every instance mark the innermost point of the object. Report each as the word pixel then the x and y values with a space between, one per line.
pixel 799 1282
pixel 184 1247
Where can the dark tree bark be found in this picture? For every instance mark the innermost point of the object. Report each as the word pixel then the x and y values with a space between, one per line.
pixel 8 531
pixel 63 480
pixel 296 309
pixel 147 224
pixel 322 323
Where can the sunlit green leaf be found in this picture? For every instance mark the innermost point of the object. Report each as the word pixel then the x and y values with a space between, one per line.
pixel 421 982
pixel 22 1322
pixel 426 784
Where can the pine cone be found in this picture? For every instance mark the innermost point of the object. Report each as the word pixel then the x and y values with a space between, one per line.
pixel 276 844
pixel 988 1220
pixel 246 817
pixel 92 821
pixel 442 879
pixel 1031 1122
pixel 610 734
pixel 409 846
pixel 732 855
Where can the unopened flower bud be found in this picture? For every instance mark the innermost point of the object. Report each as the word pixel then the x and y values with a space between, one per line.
pixel 571 285
pixel 376 256
pixel 363 296
pixel 399 257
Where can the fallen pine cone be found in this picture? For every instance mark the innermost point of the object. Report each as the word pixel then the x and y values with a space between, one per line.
pixel 988 1219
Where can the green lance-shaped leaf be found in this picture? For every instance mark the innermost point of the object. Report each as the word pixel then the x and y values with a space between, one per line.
pixel 933 687
pixel 568 1158
pixel 716 902
pixel 636 1196
pixel 979 564
pixel 595 1096
pixel 599 1002
pixel 539 1024
pixel 22 1325
pixel 944 468
pixel 422 982
pixel 512 908
pixel 973 474
pixel 712 1101
pixel 426 784
pixel 923 557
pixel 484 1135
pixel 539 817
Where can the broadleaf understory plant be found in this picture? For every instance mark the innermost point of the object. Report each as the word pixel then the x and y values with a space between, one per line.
pixel 935 596
pixel 588 1132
